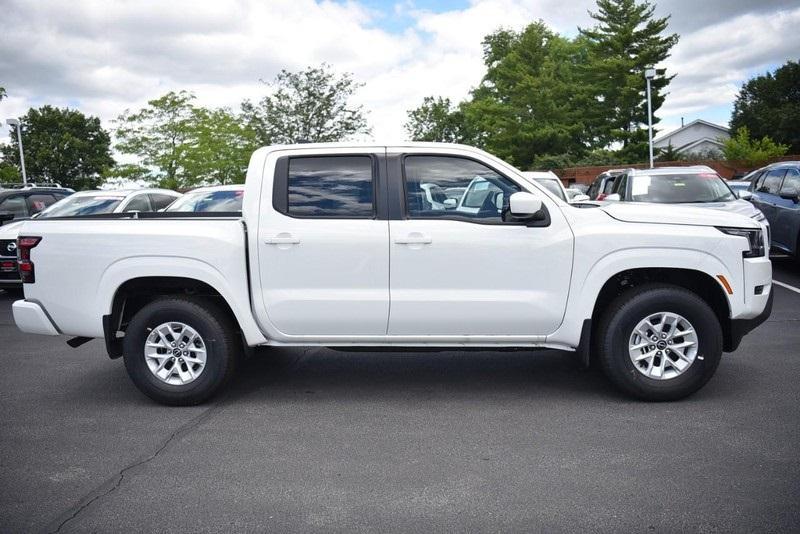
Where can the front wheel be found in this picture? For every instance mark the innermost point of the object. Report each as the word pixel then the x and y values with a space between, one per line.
pixel 180 351
pixel 659 342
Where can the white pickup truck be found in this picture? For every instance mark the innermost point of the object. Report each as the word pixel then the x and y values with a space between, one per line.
pixel 342 245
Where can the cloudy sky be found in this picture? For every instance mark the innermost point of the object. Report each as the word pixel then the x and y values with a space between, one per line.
pixel 103 56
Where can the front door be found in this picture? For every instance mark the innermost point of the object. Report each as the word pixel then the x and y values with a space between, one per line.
pixel 323 251
pixel 459 267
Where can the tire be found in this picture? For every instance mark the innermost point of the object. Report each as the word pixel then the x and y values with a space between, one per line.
pixel 217 337
pixel 615 338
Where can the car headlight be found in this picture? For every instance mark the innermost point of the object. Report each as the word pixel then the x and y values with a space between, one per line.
pixel 759 216
pixel 754 236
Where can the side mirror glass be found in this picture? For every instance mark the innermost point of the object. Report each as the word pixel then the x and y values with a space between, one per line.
pixel 6 216
pixel 450 203
pixel 524 205
pixel 613 197
pixel 744 194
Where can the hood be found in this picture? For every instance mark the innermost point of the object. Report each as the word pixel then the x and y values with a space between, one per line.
pixel 742 207
pixel 10 229
pixel 690 214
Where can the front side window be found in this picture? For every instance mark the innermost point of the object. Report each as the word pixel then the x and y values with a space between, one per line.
pixel 138 203
pixel 791 183
pixel 331 187
pixel 478 192
pixel 37 203
pixel 160 201
pixel 679 188
pixel 772 182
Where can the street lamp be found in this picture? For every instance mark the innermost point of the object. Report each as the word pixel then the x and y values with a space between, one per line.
pixel 15 122
pixel 649 74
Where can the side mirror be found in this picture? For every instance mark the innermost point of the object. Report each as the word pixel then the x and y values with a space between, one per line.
pixel 450 203
pixel 791 194
pixel 524 205
pixel 613 197
pixel 5 216
pixel 580 198
pixel 744 194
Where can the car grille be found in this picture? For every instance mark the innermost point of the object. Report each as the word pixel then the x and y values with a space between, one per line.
pixel 8 248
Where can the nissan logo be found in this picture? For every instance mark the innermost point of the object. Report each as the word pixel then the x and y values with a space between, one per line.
pixel 12 247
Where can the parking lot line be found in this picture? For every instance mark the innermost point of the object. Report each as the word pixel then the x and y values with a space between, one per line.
pixel 787 286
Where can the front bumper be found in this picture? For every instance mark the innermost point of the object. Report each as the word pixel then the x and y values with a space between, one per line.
pixel 741 327
pixel 32 319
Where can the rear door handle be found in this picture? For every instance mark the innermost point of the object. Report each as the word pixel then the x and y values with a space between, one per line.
pixel 414 238
pixel 284 238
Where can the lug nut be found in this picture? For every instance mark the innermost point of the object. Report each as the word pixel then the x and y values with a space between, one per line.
pixel 663 336
pixel 172 359
pixel 658 353
pixel 186 353
pixel 652 347
pixel 173 343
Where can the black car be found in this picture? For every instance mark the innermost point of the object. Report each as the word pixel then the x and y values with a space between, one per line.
pixel 25 202
pixel 601 186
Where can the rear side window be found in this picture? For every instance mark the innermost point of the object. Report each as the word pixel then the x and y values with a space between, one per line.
pixel 772 182
pixel 331 187
pixel 15 205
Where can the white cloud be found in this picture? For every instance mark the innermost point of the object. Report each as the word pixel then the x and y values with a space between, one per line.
pixel 104 56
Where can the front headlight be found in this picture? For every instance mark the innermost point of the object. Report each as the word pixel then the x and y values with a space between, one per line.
pixel 754 236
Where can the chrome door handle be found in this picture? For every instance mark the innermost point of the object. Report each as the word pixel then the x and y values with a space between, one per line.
pixel 414 238
pixel 282 239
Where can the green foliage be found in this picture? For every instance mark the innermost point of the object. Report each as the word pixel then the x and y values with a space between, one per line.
pixel 3 93
pixel 626 40
pixel 9 173
pixel 61 145
pixel 160 135
pixel 669 154
pixel 770 105
pixel 437 120
pixel 546 98
pixel 311 105
pixel 752 152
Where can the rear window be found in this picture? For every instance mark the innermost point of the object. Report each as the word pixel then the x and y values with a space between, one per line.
pixel 331 187
pixel 679 188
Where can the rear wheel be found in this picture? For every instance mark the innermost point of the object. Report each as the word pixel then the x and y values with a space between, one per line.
pixel 180 351
pixel 659 342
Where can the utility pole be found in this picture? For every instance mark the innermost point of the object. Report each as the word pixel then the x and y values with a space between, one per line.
pixel 15 122
pixel 649 74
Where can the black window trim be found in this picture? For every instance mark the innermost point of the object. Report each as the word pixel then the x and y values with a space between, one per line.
pixel 280 186
pixel 401 191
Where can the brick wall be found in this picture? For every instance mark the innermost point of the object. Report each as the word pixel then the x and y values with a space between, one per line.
pixel 726 169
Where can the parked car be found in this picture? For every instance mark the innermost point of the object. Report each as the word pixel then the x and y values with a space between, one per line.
pixel 221 198
pixel 18 204
pixel 21 203
pixel 553 183
pixel 774 190
pixel 98 202
pixel 576 195
pixel 77 204
pixel 601 186
pixel 742 183
pixel 659 294
pixel 696 186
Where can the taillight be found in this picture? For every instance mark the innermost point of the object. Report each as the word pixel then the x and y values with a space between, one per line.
pixel 26 269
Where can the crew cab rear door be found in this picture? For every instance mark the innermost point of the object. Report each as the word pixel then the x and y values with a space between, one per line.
pixel 323 244
pixel 463 267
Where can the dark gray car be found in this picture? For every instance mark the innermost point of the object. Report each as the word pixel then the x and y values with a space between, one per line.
pixel 776 192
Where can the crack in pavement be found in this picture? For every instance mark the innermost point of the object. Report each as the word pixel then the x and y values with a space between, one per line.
pixel 115 481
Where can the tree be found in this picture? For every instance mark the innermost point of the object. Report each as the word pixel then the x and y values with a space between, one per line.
pixel 3 93
pixel 626 40
pixel 751 152
pixel 159 134
pixel 770 105
pixel 668 154
pixel 437 120
pixel 311 105
pixel 61 145
pixel 220 149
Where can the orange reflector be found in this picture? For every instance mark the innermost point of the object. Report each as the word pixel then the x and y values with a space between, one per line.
pixel 725 284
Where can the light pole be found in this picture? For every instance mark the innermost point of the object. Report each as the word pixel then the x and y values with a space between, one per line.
pixel 649 74
pixel 15 122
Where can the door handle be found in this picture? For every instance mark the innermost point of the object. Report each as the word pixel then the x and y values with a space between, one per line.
pixel 283 238
pixel 414 238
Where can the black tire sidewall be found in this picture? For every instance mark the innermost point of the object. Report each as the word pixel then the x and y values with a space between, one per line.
pixel 207 326
pixel 621 369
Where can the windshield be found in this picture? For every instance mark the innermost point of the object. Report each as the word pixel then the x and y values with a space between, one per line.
pixel 680 188
pixel 200 201
pixel 552 186
pixel 82 205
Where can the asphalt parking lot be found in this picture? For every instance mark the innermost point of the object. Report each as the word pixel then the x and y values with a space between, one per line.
pixel 317 440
